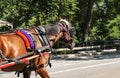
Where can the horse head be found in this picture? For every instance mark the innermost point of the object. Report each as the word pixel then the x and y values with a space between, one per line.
pixel 69 32
pixel 62 31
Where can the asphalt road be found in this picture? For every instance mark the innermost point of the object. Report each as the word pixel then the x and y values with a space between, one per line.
pixel 100 67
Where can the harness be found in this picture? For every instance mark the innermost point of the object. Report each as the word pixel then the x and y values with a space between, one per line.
pixel 30 41
pixel 41 33
pixel 27 37
pixel 30 44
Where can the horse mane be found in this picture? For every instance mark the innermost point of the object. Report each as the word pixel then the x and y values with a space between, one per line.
pixel 52 29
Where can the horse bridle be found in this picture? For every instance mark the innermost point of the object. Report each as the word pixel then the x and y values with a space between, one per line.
pixel 67 29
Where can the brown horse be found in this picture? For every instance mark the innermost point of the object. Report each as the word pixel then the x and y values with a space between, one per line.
pixel 12 45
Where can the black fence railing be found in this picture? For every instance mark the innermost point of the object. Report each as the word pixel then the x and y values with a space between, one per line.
pixel 96 46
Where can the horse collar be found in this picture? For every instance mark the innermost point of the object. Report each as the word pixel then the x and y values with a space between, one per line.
pixel 41 33
pixel 27 37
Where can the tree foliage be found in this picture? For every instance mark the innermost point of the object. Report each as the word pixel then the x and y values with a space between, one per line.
pixel 104 21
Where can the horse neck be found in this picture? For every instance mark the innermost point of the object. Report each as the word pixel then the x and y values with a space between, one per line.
pixel 54 34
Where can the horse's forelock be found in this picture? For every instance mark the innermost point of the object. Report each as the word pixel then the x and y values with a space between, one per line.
pixel 67 23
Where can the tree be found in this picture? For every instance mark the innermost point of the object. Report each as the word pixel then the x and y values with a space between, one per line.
pixel 95 20
pixel 87 22
pixel 105 20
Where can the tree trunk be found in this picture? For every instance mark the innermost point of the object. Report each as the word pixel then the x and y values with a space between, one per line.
pixel 87 22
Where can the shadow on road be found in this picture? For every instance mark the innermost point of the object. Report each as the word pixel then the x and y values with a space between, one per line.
pixel 90 57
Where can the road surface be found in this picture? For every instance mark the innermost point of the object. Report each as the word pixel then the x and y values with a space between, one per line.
pixel 100 67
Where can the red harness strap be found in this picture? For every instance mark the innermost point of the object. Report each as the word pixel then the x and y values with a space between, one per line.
pixel 24 39
pixel 45 53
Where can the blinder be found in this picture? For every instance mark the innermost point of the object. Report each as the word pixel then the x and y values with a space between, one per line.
pixel 72 31
pixel 67 28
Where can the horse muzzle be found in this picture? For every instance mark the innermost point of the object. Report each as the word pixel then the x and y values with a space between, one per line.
pixel 71 44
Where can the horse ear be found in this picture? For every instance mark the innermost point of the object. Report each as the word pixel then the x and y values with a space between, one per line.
pixel 60 18
pixel 68 19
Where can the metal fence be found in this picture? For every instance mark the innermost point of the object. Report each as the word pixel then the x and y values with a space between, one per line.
pixel 93 47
